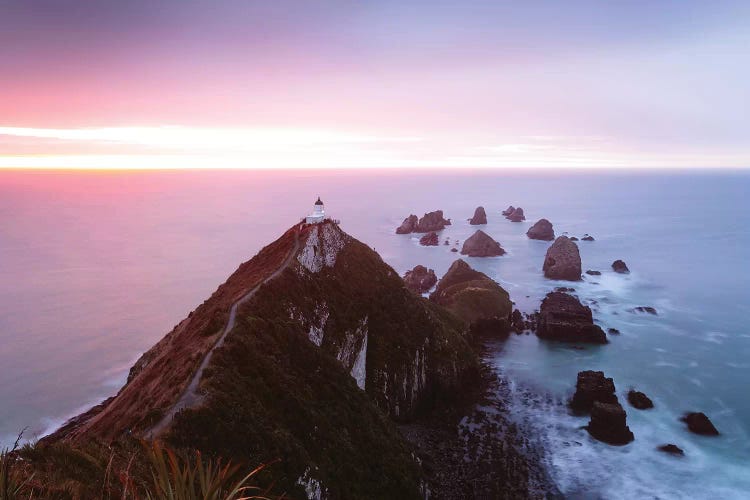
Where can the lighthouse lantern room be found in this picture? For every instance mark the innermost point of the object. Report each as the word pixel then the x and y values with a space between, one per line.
pixel 318 214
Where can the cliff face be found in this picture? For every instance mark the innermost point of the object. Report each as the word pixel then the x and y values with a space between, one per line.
pixel 327 344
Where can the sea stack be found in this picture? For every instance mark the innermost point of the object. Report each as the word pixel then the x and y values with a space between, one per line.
pixel 429 240
pixel 541 230
pixel 620 267
pixel 609 424
pixel 563 261
pixel 480 217
pixel 408 226
pixel 480 244
pixel 516 216
pixel 562 317
pixel 432 221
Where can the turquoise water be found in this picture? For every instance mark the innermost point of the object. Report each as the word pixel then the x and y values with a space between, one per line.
pixel 95 268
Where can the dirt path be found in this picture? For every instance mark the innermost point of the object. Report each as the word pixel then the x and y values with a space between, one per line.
pixel 190 396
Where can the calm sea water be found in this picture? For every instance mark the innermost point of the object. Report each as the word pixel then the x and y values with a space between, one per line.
pixel 96 267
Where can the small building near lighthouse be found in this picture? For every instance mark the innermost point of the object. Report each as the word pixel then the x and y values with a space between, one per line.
pixel 318 214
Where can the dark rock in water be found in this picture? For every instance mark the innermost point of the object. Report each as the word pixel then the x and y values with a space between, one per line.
pixel 609 424
pixel 573 238
pixel 593 273
pixel 429 240
pixel 408 226
pixel 672 449
pixel 541 230
pixel 508 210
pixel 587 237
pixel 480 244
pixel 700 424
pixel 516 321
pixel 420 279
pixel 592 386
pixel 562 317
pixel 565 289
pixel 644 309
pixel 563 261
pixel 516 216
pixel 474 297
pixel 620 267
pixel 613 331
pixel 432 221
pixel 454 249
pixel 639 400
pixel 447 242
pixel 480 217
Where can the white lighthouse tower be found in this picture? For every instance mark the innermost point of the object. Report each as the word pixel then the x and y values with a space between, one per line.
pixel 318 214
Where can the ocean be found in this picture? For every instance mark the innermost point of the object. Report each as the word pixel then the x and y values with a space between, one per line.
pixel 95 267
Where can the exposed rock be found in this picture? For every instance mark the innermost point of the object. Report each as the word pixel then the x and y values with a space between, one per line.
pixel 420 279
pixel 587 237
pixel 613 331
pixel 508 210
pixel 480 217
pixel 592 386
pixel 454 249
pixel 563 261
pixel 699 423
pixel 573 238
pixel 541 230
pixel 408 226
pixel 672 449
pixel 480 244
pixel 516 216
pixel 516 321
pixel 609 424
pixel 639 400
pixel 620 267
pixel 429 240
pixel 562 317
pixel 644 309
pixel 474 297
pixel 432 221
pixel 565 289
pixel 447 242
pixel 593 273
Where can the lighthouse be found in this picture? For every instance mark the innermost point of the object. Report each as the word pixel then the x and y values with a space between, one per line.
pixel 318 214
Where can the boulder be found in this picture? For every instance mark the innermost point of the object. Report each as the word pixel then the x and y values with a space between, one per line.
pixel 592 386
pixel 541 230
pixel 639 400
pixel 454 249
pixel 516 321
pixel 593 273
pixel 672 449
pixel 429 239
pixel 699 423
pixel 480 217
pixel 563 261
pixel 613 331
pixel 408 226
pixel 480 244
pixel 620 267
pixel 474 297
pixel 573 238
pixel 432 221
pixel 587 237
pixel 508 210
pixel 609 424
pixel 644 309
pixel 420 279
pixel 562 317
pixel 516 216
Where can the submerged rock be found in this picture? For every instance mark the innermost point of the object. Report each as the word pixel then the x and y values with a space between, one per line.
pixel 587 237
pixel 516 216
pixel 408 226
pixel 562 317
pixel 699 423
pixel 593 273
pixel 639 400
pixel 563 261
pixel 480 244
pixel 454 249
pixel 613 331
pixel 573 238
pixel 420 279
pixel 480 217
pixel 541 230
pixel 432 221
pixel 429 240
pixel 474 297
pixel 620 267
pixel 672 449
pixel 592 386
pixel 644 309
pixel 609 424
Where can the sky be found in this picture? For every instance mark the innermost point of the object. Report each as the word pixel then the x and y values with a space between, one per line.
pixel 380 83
